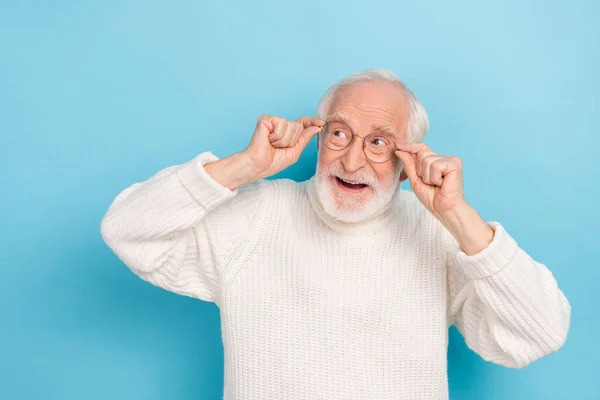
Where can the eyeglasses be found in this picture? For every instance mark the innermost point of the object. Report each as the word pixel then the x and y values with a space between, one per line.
pixel 378 147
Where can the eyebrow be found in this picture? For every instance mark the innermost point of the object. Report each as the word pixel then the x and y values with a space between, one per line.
pixel 384 128
pixel 339 116
pixel 379 128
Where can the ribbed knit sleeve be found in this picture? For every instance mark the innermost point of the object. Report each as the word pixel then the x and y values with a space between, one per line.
pixel 159 228
pixel 507 306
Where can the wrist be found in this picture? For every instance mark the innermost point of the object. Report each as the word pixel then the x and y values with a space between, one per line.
pixel 234 171
pixel 468 228
pixel 453 219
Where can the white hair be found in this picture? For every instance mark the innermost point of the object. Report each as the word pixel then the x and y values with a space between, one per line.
pixel 418 122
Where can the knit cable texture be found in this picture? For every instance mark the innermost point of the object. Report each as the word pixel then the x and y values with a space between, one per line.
pixel 315 309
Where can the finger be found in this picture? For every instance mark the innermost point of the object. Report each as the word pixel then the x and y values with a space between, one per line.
pixel 306 135
pixel 264 124
pixel 262 119
pixel 409 164
pixel 280 126
pixel 424 163
pixel 290 136
pixel 437 172
pixel 423 169
pixel 298 129
pixel 310 121
pixel 452 173
pixel 413 148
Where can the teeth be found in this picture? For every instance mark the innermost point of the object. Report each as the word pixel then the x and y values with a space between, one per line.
pixel 353 183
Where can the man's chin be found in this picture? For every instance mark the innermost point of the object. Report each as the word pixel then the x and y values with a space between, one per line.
pixel 351 216
pixel 351 206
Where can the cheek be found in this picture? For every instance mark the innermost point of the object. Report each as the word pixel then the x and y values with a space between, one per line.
pixel 327 156
pixel 385 173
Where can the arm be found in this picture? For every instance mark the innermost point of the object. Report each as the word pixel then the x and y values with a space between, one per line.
pixel 159 228
pixel 183 227
pixel 507 306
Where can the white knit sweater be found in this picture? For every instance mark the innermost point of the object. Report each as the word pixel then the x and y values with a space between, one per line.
pixel 315 309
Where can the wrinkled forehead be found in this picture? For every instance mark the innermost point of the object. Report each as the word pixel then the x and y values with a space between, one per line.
pixel 371 106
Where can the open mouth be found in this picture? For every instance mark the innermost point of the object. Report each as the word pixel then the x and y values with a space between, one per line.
pixel 350 185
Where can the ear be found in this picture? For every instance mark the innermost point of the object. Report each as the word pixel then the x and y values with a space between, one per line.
pixel 403 176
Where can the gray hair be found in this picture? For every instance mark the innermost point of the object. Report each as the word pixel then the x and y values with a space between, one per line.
pixel 418 122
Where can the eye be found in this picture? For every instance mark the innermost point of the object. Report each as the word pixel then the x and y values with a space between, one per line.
pixel 379 141
pixel 340 134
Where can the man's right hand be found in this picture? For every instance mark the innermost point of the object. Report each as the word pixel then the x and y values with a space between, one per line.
pixel 275 145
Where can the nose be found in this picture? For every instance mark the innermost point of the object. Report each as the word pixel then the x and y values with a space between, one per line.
pixel 354 157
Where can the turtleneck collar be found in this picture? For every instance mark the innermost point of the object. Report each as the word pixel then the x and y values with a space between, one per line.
pixel 364 228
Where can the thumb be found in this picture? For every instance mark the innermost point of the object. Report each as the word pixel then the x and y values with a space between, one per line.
pixel 310 121
pixel 307 134
pixel 409 164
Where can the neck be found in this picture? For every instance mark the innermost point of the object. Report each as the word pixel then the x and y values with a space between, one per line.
pixel 368 226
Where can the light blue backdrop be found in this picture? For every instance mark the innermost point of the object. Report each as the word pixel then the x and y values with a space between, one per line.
pixel 95 96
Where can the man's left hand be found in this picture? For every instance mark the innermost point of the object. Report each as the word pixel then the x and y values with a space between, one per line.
pixel 436 180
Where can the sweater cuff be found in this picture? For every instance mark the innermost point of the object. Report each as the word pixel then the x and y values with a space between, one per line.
pixel 208 192
pixel 497 255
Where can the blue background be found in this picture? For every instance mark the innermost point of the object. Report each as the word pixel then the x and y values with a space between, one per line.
pixel 95 96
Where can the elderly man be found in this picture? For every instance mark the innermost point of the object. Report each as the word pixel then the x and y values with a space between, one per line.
pixel 343 286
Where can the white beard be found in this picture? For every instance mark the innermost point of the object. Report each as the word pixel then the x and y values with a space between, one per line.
pixel 347 210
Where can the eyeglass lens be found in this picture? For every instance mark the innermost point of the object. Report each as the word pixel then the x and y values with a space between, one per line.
pixel 378 147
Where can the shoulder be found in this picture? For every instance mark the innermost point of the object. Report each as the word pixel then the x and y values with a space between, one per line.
pixel 273 191
pixel 285 187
